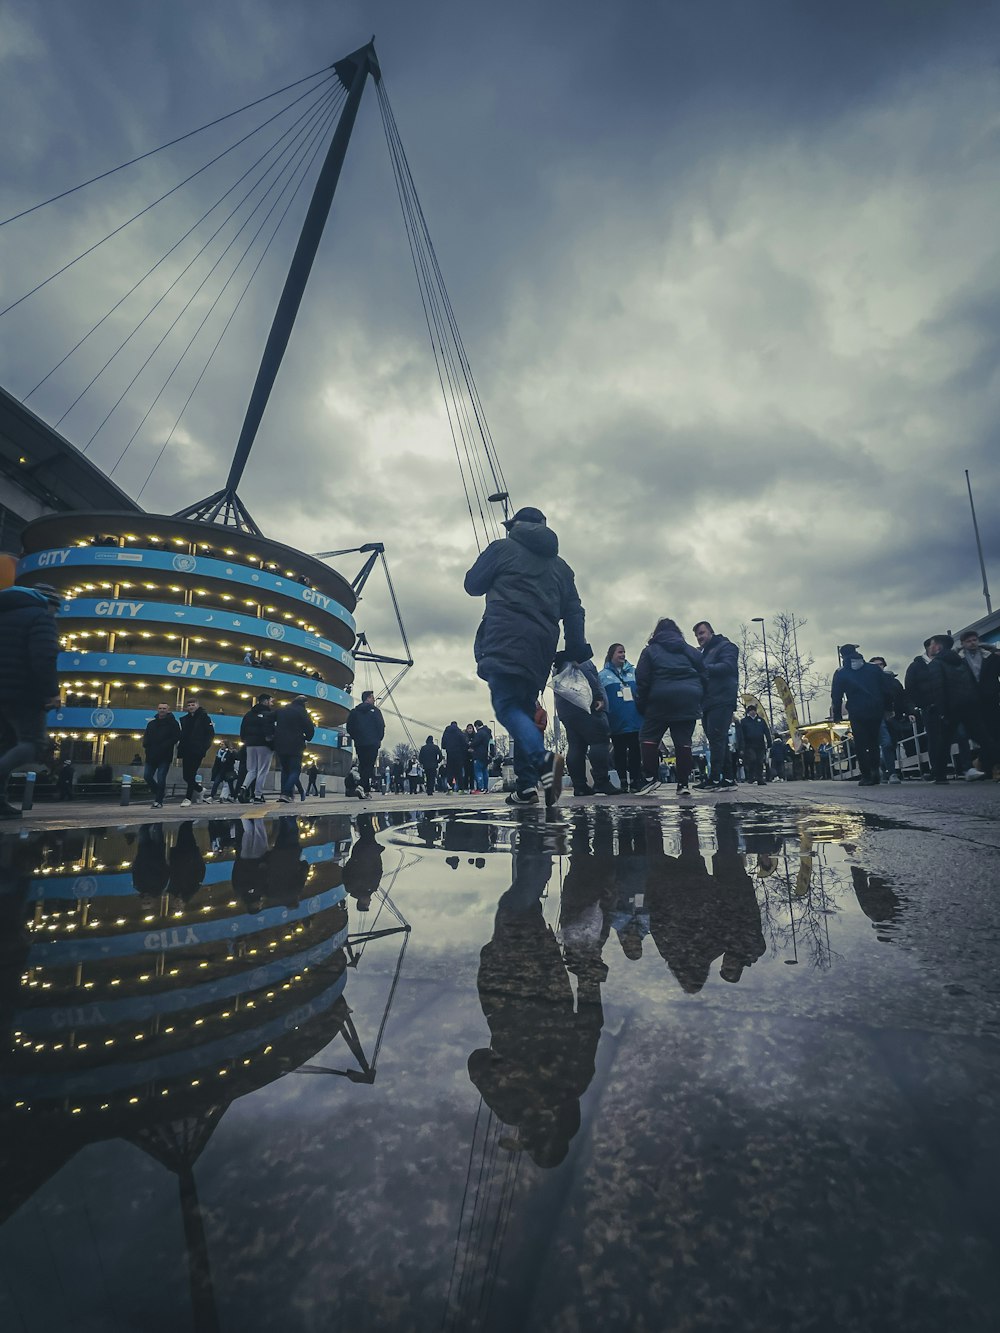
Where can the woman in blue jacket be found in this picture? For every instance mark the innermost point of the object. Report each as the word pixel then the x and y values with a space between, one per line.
pixel 618 679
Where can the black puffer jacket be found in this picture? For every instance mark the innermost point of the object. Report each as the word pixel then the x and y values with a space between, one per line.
pixel 670 678
pixel 292 728
pixel 944 685
pixel 160 737
pixel 430 756
pixel 721 658
pixel 453 741
pixel 197 735
pixel 365 724
pixel 29 647
pixel 528 588
pixel 257 727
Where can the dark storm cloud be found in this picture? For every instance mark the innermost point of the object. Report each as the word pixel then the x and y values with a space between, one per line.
pixel 727 274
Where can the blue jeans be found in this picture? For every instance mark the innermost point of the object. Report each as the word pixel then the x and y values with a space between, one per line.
pixel 514 701
pixel 291 767
pixel 155 776
pixel 482 774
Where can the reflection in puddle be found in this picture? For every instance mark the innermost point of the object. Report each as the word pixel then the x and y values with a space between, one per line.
pixel 513 976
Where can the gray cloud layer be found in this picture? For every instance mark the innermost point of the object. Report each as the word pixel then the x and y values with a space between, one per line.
pixel 727 275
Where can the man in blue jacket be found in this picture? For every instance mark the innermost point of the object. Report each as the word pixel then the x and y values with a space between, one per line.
pixel 29 685
pixel 529 589
pixel 722 659
pixel 869 697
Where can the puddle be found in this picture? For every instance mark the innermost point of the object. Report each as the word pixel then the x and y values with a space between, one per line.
pixel 672 1068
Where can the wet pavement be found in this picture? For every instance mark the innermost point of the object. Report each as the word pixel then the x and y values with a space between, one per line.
pixel 732 1066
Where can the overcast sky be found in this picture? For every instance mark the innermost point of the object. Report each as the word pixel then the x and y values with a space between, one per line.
pixel 727 274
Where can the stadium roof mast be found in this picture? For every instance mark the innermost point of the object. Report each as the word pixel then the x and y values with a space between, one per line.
pixel 225 506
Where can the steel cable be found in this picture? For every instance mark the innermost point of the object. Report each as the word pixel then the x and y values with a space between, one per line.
pixel 150 271
pixel 143 211
pixel 187 306
pixel 152 151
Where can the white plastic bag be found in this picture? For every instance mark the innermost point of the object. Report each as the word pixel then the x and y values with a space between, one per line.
pixel 572 685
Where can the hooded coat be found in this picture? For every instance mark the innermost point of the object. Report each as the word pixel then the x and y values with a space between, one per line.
pixel 670 678
pixel 197 735
pixel 365 724
pixel 292 728
pixel 528 588
pixel 722 672
pixel 160 737
pixel 453 742
pixel 865 686
pixel 29 647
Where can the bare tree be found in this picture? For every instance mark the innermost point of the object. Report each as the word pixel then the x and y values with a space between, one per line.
pixel 402 753
pixel 784 658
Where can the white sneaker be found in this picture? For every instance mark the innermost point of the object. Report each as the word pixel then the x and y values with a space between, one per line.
pixel 185 802
pixel 894 780
pixel 973 774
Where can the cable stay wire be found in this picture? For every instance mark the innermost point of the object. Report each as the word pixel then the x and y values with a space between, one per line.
pixel 302 166
pixel 489 446
pixel 479 464
pixel 461 407
pixel 432 333
pixel 277 227
pixel 163 258
pixel 63 194
pixel 181 313
pixel 289 149
pixel 444 340
pixel 159 200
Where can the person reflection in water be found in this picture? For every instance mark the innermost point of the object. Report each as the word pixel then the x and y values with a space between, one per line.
pixel 363 871
pixel 248 872
pixel 876 898
pixel 696 917
pixel 542 1048
pixel 630 910
pixel 187 865
pixel 150 872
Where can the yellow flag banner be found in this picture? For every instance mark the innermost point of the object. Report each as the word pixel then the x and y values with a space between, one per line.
pixel 785 694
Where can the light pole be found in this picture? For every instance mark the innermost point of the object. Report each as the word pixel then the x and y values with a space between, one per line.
pixel 759 620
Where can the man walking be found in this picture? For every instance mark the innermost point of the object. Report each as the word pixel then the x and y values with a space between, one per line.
pixel 366 727
pixel 721 658
pixel 482 753
pixel 257 734
pixel 197 735
pixel 983 664
pixel 29 686
pixel 430 758
pixel 161 735
pixel 529 589
pixel 869 697
pixel 756 743
pixel 293 728
pixel 453 744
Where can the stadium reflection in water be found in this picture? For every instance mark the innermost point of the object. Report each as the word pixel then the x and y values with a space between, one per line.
pixel 562 1014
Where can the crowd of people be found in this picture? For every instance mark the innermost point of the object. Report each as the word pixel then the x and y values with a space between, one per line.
pixel 615 717
pixel 621 713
